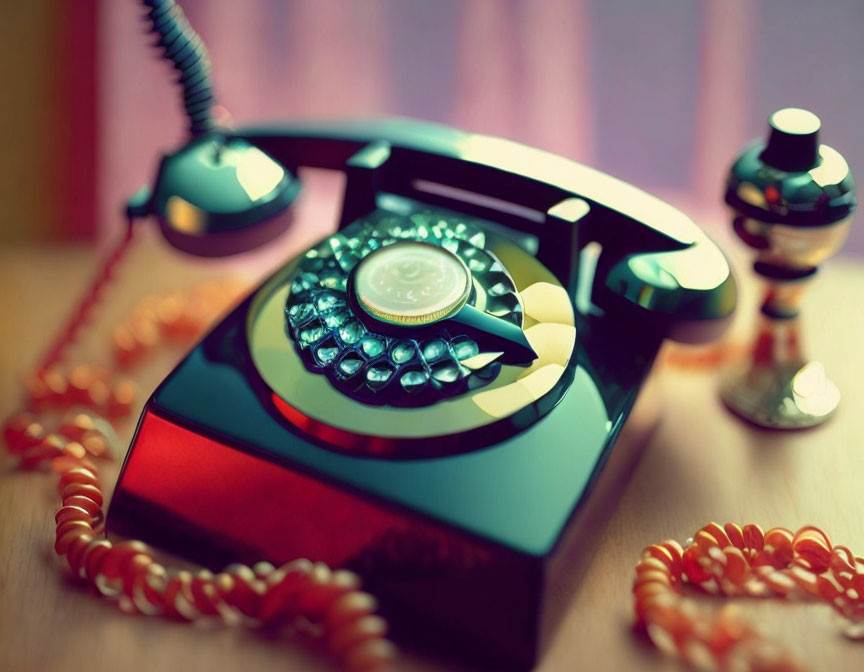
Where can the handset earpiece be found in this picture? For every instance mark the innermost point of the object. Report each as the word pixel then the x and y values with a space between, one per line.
pixel 214 196
pixel 674 276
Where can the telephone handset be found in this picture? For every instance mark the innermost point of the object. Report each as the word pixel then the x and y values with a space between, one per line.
pixel 653 258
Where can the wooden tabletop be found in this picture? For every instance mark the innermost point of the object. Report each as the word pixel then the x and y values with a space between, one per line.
pixel 701 465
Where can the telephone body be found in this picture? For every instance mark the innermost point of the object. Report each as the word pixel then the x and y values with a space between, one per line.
pixel 458 463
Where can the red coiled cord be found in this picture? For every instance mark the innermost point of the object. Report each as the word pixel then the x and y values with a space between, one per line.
pixel 82 312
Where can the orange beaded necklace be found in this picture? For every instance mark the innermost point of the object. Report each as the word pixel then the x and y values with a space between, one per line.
pixel 301 592
pixel 736 561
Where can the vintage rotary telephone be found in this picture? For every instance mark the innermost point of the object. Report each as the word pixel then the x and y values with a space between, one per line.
pixel 431 393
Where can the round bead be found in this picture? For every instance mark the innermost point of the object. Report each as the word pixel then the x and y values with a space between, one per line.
pixel 19 441
pixel 94 442
pixel 754 539
pixel 83 490
pixel 812 544
pixel 77 475
pixel 737 569
pixel 718 533
pixel 692 567
pixel 735 535
pixel 75 425
pixel 778 542
pixel 121 399
pixel 67 513
pixel 16 426
pixel 68 532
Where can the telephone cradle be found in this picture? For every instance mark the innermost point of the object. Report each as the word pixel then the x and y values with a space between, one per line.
pixel 441 394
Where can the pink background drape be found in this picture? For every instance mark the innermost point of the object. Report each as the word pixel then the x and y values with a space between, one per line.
pixel 660 93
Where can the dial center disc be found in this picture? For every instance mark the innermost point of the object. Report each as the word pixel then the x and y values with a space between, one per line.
pixel 412 283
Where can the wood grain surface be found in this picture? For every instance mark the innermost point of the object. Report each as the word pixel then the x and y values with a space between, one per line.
pixel 702 464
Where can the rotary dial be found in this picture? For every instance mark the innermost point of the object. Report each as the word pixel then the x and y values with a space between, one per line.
pixel 406 310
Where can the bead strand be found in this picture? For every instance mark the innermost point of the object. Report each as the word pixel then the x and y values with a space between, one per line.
pixel 263 596
pixel 735 561
pixel 69 334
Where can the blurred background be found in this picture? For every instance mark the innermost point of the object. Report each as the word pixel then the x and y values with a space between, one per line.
pixel 658 92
